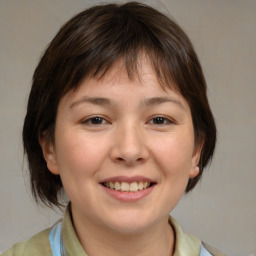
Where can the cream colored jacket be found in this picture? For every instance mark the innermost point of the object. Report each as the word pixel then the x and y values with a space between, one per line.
pixel 39 245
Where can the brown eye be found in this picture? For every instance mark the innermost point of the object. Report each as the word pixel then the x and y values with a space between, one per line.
pixel 160 120
pixel 97 120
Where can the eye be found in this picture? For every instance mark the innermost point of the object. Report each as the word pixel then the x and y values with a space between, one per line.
pixel 160 120
pixel 96 120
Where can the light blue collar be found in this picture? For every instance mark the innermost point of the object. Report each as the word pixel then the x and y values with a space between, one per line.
pixel 55 238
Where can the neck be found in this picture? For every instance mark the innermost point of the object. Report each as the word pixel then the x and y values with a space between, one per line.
pixel 96 240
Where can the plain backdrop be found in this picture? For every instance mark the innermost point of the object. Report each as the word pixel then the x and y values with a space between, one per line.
pixel 222 209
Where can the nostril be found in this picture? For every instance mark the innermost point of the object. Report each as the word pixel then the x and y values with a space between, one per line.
pixel 129 161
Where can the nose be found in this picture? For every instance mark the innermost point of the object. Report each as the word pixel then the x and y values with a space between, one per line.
pixel 129 146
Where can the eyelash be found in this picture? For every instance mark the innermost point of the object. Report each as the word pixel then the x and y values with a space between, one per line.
pixel 164 120
pixel 89 121
pixel 98 120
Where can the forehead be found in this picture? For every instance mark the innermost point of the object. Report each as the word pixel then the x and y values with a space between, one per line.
pixel 116 86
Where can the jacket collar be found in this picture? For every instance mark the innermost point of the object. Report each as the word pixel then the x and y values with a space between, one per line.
pixel 184 244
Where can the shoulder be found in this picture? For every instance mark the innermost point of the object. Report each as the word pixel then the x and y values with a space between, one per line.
pixel 38 245
pixel 187 244
pixel 213 250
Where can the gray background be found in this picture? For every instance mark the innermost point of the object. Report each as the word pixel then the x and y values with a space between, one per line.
pixel 222 209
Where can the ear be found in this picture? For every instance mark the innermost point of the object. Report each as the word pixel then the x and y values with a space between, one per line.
pixel 49 154
pixel 194 171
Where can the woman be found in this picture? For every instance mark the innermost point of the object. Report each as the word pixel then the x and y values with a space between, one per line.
pixel 118 119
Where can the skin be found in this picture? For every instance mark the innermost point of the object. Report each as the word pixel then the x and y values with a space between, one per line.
pixel 127 140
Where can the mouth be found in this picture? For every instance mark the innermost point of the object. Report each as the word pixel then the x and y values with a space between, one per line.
pixel 133 186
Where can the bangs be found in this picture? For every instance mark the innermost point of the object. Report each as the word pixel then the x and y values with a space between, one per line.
pixel 123 36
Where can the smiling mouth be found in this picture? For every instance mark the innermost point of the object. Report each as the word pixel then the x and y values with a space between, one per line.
pixel 128 187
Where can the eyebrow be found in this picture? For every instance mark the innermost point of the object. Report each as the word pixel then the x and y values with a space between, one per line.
pixel 92 100
pixel 147 102
pixel 160 100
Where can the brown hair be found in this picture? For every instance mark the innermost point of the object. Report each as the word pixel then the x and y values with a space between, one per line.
pixel 87 46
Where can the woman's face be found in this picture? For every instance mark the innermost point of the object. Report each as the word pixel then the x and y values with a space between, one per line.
pixel 124 150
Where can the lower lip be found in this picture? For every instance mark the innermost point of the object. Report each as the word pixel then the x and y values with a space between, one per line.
pixel 128 196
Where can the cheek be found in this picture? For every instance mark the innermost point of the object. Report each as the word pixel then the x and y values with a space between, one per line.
pixel 174 154
pixel 79 156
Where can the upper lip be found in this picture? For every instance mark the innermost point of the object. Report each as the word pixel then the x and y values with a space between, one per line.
pixel 128 179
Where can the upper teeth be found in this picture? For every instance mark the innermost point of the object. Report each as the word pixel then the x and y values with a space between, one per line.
pixel 127 187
